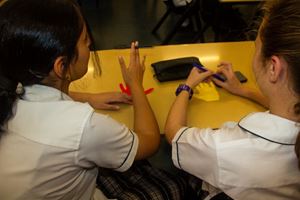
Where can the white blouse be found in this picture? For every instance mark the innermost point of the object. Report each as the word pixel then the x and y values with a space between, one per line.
pixel 53 147
pixel 252 159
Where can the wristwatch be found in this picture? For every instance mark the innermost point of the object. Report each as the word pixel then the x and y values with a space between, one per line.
pixel 185 87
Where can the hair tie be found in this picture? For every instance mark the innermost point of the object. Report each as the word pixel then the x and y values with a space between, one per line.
pixel 20 89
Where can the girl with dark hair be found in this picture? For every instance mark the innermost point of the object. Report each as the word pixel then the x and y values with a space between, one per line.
pixel 258 157
pixel 51 146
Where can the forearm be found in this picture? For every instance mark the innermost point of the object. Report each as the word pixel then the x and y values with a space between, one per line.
pixel 145 124
pixel 255 95
pixel 79 96
pixel 177 116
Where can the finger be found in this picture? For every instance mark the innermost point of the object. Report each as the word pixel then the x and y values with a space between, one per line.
pixel 122 97
pixel 127 97
pixel 143 63
pixel 118 100
pixel 126 101
pixel 225 71
pixel 123 65
pixel 136 44
pixel 218 82
pixel 222 69
pixel 207 74
pixel 208 79
pixel 132 54
pixel 111 107
pixel 195 69
pixel 137 52
pixel 227 66
pixel 225 63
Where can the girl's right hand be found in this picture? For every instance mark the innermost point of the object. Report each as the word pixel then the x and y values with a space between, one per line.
pixel 232 84
pixel 133 74
pixel 196 76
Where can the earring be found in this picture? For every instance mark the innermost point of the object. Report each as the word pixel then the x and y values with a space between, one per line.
pixel 68 77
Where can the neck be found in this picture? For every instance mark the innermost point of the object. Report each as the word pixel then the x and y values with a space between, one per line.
pixel 283 106
pixel 53 81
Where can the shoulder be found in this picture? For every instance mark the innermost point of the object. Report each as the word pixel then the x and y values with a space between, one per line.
pixel 229 131
pixel 56 123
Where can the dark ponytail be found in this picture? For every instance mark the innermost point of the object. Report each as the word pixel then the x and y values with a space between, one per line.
pixel 33 34
pixel 7 98
pixel 280 35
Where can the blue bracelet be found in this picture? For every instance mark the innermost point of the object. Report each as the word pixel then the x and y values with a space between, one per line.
pixel 185 87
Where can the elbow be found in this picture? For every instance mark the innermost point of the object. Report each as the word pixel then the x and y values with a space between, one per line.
pixel 148 146
pixel 169 133
pixel 154 144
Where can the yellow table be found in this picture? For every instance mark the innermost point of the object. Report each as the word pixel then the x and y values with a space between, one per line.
pixel 201 113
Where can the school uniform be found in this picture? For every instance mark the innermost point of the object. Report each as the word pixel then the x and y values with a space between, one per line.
pixel 53 146
pixel 251 159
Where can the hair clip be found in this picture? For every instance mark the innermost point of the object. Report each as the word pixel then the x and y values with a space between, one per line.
pixel 20 89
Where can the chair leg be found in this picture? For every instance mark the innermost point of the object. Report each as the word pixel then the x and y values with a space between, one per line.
pixel 174 30
pixel 186 14
pixel 161 21
pixel 200 34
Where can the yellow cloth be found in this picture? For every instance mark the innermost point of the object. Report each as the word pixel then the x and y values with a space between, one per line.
pixel 206 92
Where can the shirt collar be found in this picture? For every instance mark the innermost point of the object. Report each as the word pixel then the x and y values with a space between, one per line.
pixel 43 93
pixel 271 127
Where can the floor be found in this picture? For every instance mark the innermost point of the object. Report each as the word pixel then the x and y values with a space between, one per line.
pixel 115 23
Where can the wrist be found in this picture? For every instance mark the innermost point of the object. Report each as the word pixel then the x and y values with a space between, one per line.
pixel 189 84
pixel 136 87
pixel 244 92
pixel 184 88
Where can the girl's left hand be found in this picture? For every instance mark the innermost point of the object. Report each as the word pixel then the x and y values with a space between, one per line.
pixel 134 73
pixel 102 101
pixel 108 100
pixel 232 84
pixel 197 76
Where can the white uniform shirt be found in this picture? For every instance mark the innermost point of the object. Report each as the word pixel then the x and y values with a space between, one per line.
pixel 250 160
pixel 53 146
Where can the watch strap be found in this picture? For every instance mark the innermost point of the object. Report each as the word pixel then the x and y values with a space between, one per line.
pixel 184 87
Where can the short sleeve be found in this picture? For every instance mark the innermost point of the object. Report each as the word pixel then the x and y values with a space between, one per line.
pixel 107 143
pixel 194 151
